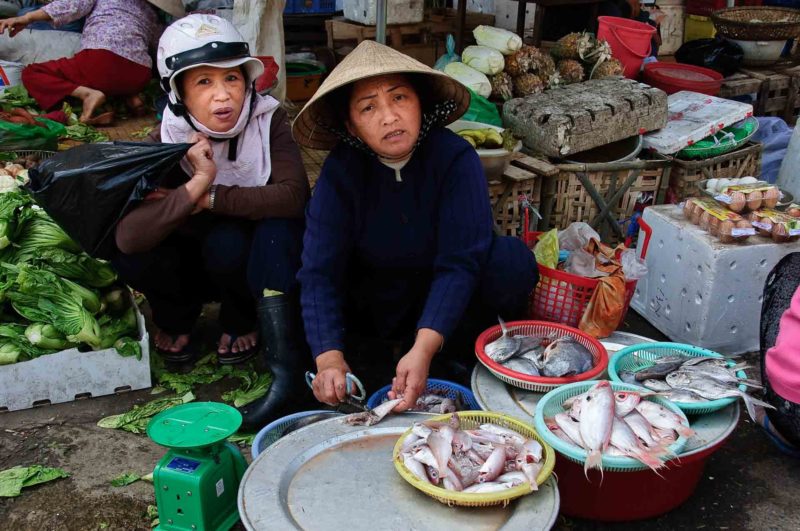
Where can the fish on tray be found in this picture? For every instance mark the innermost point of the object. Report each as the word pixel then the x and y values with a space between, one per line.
pixel 548 356
pixel 693 380
pixel 490 458
pixel 621 423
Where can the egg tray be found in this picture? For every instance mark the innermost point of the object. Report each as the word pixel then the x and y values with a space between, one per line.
pixel 783 204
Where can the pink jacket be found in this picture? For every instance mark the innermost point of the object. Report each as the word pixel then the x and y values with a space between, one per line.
pixel 783 360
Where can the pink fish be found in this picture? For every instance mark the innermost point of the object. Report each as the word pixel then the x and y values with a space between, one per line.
pixel 663 418
pixel 373 416
pixel 570 427
pixel 597 419
pixel 643 429
pixel 482 488
pixel 623 438
pixel 493 466
pixel 558 432
pixel 415 467
pixel 440 443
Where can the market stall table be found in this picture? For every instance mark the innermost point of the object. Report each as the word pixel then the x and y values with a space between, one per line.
pixel 331 476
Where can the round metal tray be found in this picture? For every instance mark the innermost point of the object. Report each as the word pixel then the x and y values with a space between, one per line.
pixel 494 395
pixel 331 476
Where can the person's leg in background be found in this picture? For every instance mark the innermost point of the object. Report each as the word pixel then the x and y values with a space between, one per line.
pixel 169 278
pixel 783 423
pixel 273 263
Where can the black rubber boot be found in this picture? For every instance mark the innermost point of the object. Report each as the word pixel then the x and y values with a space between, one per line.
pixel 285 354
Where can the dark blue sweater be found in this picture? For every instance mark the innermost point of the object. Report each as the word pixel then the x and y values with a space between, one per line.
pixel 437 219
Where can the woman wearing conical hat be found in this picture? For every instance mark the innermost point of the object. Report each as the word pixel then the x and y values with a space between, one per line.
pixel 399 239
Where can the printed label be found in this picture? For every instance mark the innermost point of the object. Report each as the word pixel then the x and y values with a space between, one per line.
pixel 742 232
pixel 762 225
pixel 220 487
pixel 794 232
pixel 723 199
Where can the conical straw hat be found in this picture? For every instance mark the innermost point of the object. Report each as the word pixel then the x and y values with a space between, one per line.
pixel 369 59
pixel 173 7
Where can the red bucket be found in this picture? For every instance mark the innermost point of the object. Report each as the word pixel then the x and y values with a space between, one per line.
pixel 562 297
pixel 630 41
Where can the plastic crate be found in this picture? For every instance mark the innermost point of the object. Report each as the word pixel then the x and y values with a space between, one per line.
pixel 318 7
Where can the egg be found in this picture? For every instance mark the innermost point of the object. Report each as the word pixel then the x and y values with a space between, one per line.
pixel 748 180
pixel 725 229
pixel 705 220
pixel 754 199
pixel 722 184
pixel 780 233
pixel 688 208
pixel 771 197
pixel 711 185
pixel 713 225
pixel 761 223
pixel 738 201
pixel 794 211
pixel 743 224
pixel 696 213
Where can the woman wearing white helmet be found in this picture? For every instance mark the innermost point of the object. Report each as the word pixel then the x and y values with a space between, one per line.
pixel 229 226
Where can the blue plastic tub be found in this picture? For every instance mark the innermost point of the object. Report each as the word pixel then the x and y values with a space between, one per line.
pixel 449 389
pixel 317 7
pixel 273 431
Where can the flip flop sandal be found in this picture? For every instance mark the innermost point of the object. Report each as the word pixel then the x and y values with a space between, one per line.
pixel 107 118
pixel 186 354
pixel 782 446
pixel 231 358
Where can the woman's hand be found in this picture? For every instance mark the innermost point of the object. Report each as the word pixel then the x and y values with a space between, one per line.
pixel 413 368
pixel 330 385
pixel 201 157
pixel 14 25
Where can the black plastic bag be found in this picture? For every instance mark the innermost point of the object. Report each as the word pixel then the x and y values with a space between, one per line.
pixel 89 188
pixel 718 54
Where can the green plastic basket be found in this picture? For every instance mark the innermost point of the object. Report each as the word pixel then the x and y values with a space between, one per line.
pixel 637 357
pixel 726 140
pixel 552 403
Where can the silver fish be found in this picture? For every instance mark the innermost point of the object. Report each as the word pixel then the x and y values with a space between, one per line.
pixel 558 432
pixel 712 389
pixel 509 436
pixel 657 385
pixel 628 377
pixel 523 365
pixel 440 443
pixel 721 374
pixel 570 427
pixel 373 416
pixel 566 357
pixel 660 368
pixel 482 488
pixel 643 429
pixel 517 477
pixel 504 347
pixel 682 395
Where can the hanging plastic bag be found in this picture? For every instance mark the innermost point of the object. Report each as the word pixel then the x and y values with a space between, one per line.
pixel 482 110
pixel 17 137
pixel 633 266
pixel 450 56
pixel 89 188
pixel 546 250
pixel 577 236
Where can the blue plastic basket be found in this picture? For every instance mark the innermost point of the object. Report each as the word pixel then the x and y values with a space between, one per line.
pixel 552 403
pixel 269 434
pixel 637 357
pixel 449 389
pixel 319 7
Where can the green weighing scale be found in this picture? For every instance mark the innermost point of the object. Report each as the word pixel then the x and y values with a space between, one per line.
pixel 197 481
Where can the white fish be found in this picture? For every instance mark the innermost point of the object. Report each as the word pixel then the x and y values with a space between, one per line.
pixel 461 441
pixel 420 430
pixel 493 466
pixel 661 417
pixel 440 443
pixel 410 440
pixel 415 467
pixel 373 416
pixel 516 477
pixel 451 480
pixel 570 427
pixel 483 488
pixel 531 471
pixel 504 347
pixel 425 456
pixel 643 429
pixel 597 419
pixel 558 432
pixel 509 436
pixel 624 439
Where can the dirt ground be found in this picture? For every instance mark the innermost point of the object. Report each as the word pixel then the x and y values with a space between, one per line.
pixel 748 484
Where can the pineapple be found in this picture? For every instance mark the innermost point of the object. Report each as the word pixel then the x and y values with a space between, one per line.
pixel 527 84
pixel 570 71
pixel 502 86
pixel 543 65
pixel 519 62
pixel 611 68
pixel 570 46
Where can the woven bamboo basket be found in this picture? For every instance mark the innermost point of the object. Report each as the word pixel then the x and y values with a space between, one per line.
pixel 509 217
pixel 686 174
pixel 757 23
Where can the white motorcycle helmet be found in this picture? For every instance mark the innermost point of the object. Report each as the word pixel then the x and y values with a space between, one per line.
pixel 201 40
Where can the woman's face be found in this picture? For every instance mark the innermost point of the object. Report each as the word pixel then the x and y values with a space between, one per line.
pixel 385 114
pixel 214 96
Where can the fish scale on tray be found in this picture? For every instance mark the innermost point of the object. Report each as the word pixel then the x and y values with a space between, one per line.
pixel 490 458
pixel 620 424
pixel 544 355
pixel 695 379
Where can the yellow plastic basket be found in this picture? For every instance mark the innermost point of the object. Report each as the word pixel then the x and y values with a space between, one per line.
pixel 472 420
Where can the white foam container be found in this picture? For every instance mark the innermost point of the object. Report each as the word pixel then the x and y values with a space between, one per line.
pixel 397 11
pixel 70 375
pixel 702 292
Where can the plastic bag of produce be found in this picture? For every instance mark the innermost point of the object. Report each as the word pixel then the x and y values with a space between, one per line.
pixel 546 250
pixel 450 57
pixel 501 40
pixel 483 59
pixel 16 137
pixel 470 78
pixel 89 188
pixel 482 110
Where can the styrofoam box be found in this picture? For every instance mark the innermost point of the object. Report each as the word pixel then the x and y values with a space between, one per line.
pixel 702 292
pixel 397 11
pixel 505 15
pixel 70 374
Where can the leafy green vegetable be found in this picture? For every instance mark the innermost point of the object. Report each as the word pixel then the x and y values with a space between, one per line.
pixel 205 371
pixel 78 267
pixel 85 133
pixel 135 420
pixel 40 232
pixel 116 301
pixel 14 345
pixel 242 439
pixel 115 329
pixel 254 386
pixel 47 336
pixel 9 353
pixel 126 479
pixel 127 347
pixel 16 96
pixel 13 480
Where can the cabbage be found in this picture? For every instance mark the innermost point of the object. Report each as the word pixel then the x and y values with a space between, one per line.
pixel 501 40
pixel 469 77
pixel 483 59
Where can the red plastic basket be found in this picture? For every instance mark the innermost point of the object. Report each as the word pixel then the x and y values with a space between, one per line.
pixel 562 297
pixel 540 384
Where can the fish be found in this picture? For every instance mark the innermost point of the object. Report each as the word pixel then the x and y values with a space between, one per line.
pixel 416 468
pixel 440 443
pixel 508 436
pixel 628 377
pixel 721 374
pixel 656 385
pixel 305 421
pixel 493 466
pixel 373 416
pixel 523 365
pixel 426 456
pixel 597 416
pixel 571 428
pixel 451 480
pixel 504 347
pixel 558 432
pixel 433 474
pixel 713 390
pixel 566 357
pixel 516 477
pixel 484 488
pixel 529 345
pixel 661 417
pixel 435 403
pixel 624 439
pixel 660 368
pixel 626 401
pixel 682 395
pixel 409 441
pixel 462 442
pixel 643 429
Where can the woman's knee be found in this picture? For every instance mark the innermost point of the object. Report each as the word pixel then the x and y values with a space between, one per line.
pixel 510 274
pixel 225 248
pixel 275 255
